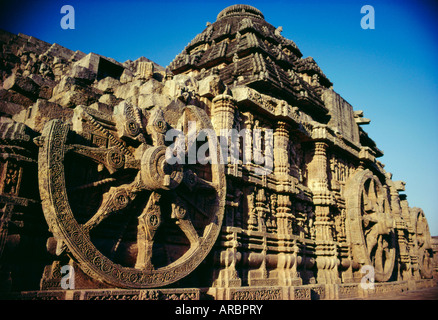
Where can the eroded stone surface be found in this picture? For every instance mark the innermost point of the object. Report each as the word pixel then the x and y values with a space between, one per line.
pixel 89 133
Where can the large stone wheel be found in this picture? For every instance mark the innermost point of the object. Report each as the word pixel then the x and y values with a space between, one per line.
pixel 129 217
pixel 422 245
pixel 370 224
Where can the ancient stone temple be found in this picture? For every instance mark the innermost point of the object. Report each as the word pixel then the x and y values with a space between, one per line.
pixel 108 189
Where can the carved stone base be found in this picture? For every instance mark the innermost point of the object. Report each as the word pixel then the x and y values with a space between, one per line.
pixel 303 292
pixel 317 291
pixel 52 276
pixel 107 294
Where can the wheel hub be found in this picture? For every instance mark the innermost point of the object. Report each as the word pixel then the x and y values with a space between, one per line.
pixel 157 173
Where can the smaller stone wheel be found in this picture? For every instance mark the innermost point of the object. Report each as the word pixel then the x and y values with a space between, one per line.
pixel 422 245
pixel 370 224
pixel 129 217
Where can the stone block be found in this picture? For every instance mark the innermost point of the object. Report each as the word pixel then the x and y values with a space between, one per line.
pixel 83 73
pixel 59 51
pixel 128 90
pixel 366 153
pixel 255 293
pixel 23 85
pixel 78 55
pixel 43 111
pixel 147 101
pixel 342 115
pixel 400 185
pixel 45 92
pixel 90 61
pixel 42 81
pixel 72 99
pixel 74 87
pixel 9 108
pixel 145 70
pixel 108 85
pixel 66 84
pixel 109 99
pixel 211 86
pixel 102 67
pixel 151 86
pixel 103 107
pixel 300 293
pixel 15 97
pixel 126 76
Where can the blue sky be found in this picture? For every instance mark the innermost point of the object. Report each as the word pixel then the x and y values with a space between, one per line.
pixel 391 72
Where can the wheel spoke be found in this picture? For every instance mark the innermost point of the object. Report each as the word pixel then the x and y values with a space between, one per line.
pixel 179 212
pixel 378 261
pixel 187 227
pixel 206 185
pixel 148 223
pixel 116 199
pixel 112 158
pixel 120 236
pixel 93 184
pixel 195 183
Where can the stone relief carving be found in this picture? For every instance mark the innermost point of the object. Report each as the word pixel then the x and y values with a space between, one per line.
pixel 110 204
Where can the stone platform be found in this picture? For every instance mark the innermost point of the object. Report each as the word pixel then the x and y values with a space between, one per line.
pixel 421 294
pixel 398 290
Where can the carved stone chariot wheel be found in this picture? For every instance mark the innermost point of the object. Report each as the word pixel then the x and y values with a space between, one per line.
pixel 370 224
pixel 422 245
pixel 126 214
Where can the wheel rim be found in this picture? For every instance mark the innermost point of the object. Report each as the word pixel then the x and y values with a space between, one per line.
pixel 422 243
pixel 179 208
pixel 371 224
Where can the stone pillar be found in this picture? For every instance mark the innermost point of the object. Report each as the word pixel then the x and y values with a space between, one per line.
pixel 395 199
pixel 222 118
pixel 317 173
pixel 261 209
pixel 322 199
pixel 252 213
pixel 400 229
pixel 284 214
pixel 326 250
pixel 287 267
pixel 222 115
pixel 412 271
pixel 227 275
pixel 268 152
pixel 281 154
pixel 247 148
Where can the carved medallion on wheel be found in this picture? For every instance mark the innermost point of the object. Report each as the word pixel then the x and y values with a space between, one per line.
pixel 121 210
pixel 370 224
